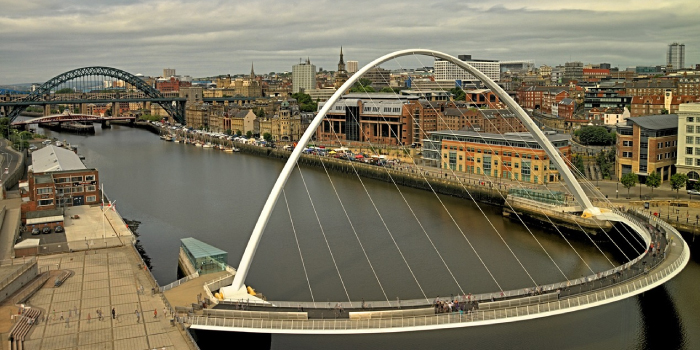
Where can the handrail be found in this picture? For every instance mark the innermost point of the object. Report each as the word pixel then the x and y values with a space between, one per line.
pixel 178 282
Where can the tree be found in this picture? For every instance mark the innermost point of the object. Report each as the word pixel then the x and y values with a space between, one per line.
pixel 653 181
pixel 460 95
pixel 267 136
pixel 260 113
pixel 248 134
pixel 306 104
pixel 677 181
pixel 228 132
pixel 595 135
pixel 578 163
pixel 629 180
pixel 363 85
pixel 5 126
pixel 387 89
pixel 239 132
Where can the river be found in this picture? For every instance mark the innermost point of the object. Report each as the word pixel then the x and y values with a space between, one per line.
pixel 180 191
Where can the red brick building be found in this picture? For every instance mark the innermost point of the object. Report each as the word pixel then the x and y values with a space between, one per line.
pixel 172 84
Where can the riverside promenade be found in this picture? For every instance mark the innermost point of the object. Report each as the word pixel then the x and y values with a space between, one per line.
pixel 105 279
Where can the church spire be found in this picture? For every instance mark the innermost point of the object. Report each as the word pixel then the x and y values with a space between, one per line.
pixel 252 71
pixel 341 56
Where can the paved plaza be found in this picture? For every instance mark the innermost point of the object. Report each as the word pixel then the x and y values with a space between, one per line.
pixel 103 279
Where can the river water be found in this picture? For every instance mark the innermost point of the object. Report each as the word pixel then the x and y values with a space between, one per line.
pixel 180 191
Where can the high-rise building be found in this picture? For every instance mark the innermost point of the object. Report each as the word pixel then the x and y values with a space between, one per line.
pixel 303 76
pixel 573 71
pixel 352 67
pixel 675 58
pixel 168 72
pixel 445 70
pixel 688 161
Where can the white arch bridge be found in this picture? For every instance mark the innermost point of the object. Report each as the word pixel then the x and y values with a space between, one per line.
pixel 663 255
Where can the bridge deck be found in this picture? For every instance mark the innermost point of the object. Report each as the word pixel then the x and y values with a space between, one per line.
pixel 628 282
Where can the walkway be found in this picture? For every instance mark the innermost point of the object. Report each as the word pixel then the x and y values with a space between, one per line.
pixel 104 279
pixel 592 292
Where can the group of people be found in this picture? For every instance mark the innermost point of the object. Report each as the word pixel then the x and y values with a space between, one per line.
pixel 467 305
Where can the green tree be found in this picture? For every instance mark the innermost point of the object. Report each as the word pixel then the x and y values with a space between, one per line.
pixel 363 85
pixel 239 132
pixel 5 126
pixel 595 135
pixel 260 112
pixel 228 132
pixel 387 89
pixel 578 163
pixel 306 104
pixel 605 161
pixel 267 136
pixel 460 95
pixel 629 180
pixel 678 180
pixel 653 181
pixel 248 134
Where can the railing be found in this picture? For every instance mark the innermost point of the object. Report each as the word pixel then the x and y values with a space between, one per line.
pixel 576 302
pixel 9 279
pixel 178 282
pixel 633 284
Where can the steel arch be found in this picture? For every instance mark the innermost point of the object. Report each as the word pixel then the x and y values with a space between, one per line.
pixel 127 77
pixel 552 152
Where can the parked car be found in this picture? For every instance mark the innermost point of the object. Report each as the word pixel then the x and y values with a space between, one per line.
pixel 46 230
pixel 35 230
pixel 691 192
pixel 58 229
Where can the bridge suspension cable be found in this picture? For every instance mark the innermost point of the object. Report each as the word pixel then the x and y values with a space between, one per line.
pixel 296 239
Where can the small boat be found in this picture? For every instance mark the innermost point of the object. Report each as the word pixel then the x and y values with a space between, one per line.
pixel 228 150
pixel 208 145
pixel 236 149
pixel 198 144
pixel 59 144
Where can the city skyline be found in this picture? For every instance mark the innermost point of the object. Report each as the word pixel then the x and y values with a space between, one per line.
pixel 43 39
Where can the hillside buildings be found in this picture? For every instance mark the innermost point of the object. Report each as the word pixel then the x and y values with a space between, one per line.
pixel 647 144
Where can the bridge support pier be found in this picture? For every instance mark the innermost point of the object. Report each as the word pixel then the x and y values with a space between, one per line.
pixel 105 124
pixel 47 110
pixel 83 108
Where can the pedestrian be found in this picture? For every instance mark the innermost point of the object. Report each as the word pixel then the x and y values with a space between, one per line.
pixel 155 313
pixel 165 312
pixel 61 316
pixel 75 310
pixel 138 316
pixel 114 314
pixel 54 315
pixel 89 318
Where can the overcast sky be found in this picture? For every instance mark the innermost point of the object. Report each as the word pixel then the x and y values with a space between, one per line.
pixel 44 38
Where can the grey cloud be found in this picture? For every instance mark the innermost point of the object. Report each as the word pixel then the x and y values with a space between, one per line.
pixel 201 38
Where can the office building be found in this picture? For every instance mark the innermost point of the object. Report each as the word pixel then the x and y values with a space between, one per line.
pixel 352 67
pixel 303 76
pixel 688 162
pixel 445 70
pixel 675 58
pixel 647 144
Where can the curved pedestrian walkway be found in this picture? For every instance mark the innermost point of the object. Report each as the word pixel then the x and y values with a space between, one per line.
pixel 646 272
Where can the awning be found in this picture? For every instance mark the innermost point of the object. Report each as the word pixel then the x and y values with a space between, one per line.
pixel 359 156
pixel 44 220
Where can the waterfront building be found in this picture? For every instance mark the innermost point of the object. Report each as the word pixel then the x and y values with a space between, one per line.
pixel 675 57
pixel 511 156
pixel 688 162
pixel 243 120
pixel 58 178
pixel 647 144
pixel 445 70
pixel 303 76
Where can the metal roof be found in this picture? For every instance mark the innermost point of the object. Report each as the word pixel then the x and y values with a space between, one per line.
pixel 199 249
pixel 655 122
pixel 53 158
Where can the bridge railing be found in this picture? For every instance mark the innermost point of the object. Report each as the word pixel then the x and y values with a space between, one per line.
pixel 172 285
pixel 556 306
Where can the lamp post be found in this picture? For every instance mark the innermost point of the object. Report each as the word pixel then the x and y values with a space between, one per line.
pixel 617 186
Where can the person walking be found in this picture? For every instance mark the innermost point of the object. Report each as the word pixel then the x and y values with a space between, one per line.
pixel 155 313
pixel 165 312
pixel 114 314
pixel 138 316
pixel 61 316
pixel 89 318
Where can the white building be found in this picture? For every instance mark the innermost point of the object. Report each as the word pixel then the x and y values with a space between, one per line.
pixel 445 70
pixel 613 116
pixel 352 67
pixel 303 76
pixel 168 72
pixel 688 161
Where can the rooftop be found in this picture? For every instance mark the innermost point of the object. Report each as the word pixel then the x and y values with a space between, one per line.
pixel 199 249
pixel 52 158
pixel 655 122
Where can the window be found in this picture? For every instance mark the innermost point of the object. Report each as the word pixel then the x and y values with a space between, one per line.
pixel 517 165
pixel 537 167
pixel 44 190
pixel 659 157
pixel 89 177
pixel 689 161
pixel 697 129
pixel 690 119
pixel 77 189
pixel 689 140
pixel 626 154
pixel 659 145
pixel 62 180
pixel 90 198
pixel 45 202
pixel 689 129
pixel 697 140
pixel 627 143
pixel 90 188
pixel 689 150
pixel 76 179
pixel 697 151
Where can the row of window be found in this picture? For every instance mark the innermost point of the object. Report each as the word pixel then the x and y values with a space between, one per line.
pixel 689 140
pixel 689 161
pixel 692 129
pixel 666 155
pixel 45 202
pixel 87 178
pixel 666 144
